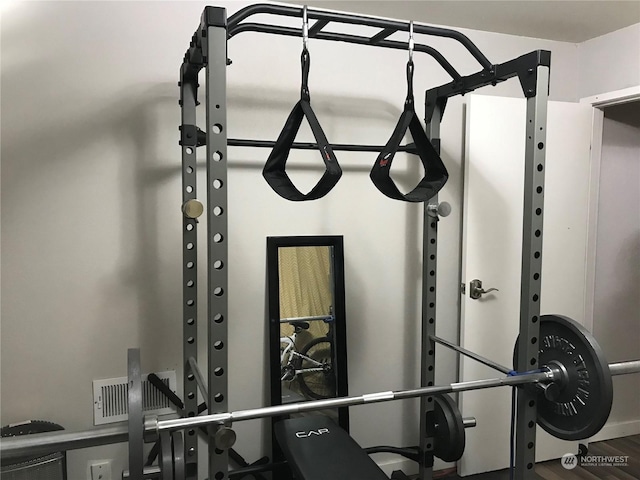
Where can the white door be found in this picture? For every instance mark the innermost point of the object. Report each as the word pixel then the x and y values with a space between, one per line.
pixel 492 245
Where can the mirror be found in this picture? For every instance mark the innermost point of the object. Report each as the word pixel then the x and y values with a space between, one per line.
pixel 307 321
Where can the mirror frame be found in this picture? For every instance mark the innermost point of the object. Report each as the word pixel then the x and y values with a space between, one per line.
pixel 339 311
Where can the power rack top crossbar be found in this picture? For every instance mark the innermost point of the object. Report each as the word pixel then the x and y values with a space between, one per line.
pixel 523 67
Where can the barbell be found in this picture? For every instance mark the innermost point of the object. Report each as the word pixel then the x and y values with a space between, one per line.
pixel 574 402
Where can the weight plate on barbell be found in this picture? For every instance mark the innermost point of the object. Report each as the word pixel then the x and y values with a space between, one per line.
pixel 583 403
pixel 136 421
pixel 449 436
pixel 166 456
pixel 178 456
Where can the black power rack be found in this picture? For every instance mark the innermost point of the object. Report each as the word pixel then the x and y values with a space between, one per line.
pixel 208 50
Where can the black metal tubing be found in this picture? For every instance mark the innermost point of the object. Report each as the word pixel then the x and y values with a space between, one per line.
pixel 473 355
pixel 524 67
pixel 338 17
pixel 345 147
pixel 343 37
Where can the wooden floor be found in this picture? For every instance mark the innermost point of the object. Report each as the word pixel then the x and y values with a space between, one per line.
pixel 553 470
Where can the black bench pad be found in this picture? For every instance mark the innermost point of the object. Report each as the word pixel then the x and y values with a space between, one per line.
pixel 318 449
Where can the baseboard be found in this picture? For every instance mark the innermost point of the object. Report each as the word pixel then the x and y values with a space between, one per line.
pixel 617 430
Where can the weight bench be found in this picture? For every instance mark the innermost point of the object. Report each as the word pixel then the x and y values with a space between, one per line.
pixel 318 449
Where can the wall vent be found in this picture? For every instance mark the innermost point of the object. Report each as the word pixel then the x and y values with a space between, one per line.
pixel 110 398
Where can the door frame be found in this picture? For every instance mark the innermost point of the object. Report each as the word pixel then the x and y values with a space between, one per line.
pixel 599 103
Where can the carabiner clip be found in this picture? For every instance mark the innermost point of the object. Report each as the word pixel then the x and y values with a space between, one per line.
pixel 411 43
pixel 305 28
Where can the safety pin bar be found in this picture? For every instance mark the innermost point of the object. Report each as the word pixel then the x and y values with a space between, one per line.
pixel 473 355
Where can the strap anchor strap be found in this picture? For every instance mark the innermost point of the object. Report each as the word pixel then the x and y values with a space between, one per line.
pixel 436 174
pixel 274 170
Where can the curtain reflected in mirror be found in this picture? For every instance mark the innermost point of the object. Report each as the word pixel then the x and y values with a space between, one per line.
pixel 307 320
pixel 307 333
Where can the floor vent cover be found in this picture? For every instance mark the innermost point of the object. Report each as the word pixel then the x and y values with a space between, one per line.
pixel 110 398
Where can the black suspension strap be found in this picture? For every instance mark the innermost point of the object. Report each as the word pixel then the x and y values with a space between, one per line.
pixel 436 174
pixel 274 170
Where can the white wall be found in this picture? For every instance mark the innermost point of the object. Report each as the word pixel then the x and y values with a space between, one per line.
pixel 610 62
pixel 91 205
pixel 617 291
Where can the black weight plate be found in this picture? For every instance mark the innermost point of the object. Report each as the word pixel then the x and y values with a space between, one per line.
pixel 178 456
pixel 585 399
pixel 166 456
pixel 134 410
pixel 449 437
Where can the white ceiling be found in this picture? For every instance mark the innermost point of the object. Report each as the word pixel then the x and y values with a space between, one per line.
pixel 569 21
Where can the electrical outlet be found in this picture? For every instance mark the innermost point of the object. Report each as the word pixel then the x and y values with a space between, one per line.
pixel 100 470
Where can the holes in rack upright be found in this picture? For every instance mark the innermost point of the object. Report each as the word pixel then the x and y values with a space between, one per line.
pixel 189 150
pixel 216 128
pixel 188 189
pixel 218 291
pixel 189 169
pixel 190 283
pixel 189 227
pixel 539 189
pixel 217 184
pixel 536 276
pixel 191 321
pixel 218 210
pixel 219 476
pixel 535 297
pixel 217 238
pixel 190 340
pixel 219 345
pixel 190 246
pixel 218 372
pixel 190 264
pixel 218 318
pixel 218 397
pixel 191 302
pixel 216 156
pixel 538 211
pixel 191 395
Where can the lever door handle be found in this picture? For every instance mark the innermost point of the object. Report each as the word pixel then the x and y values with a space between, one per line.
pixel 476 291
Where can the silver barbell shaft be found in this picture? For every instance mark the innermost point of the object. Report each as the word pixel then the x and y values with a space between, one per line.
pixel 241 415
pixel 45 443
pixel 624 368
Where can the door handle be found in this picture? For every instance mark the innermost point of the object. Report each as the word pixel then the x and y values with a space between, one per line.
pixel 476 291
